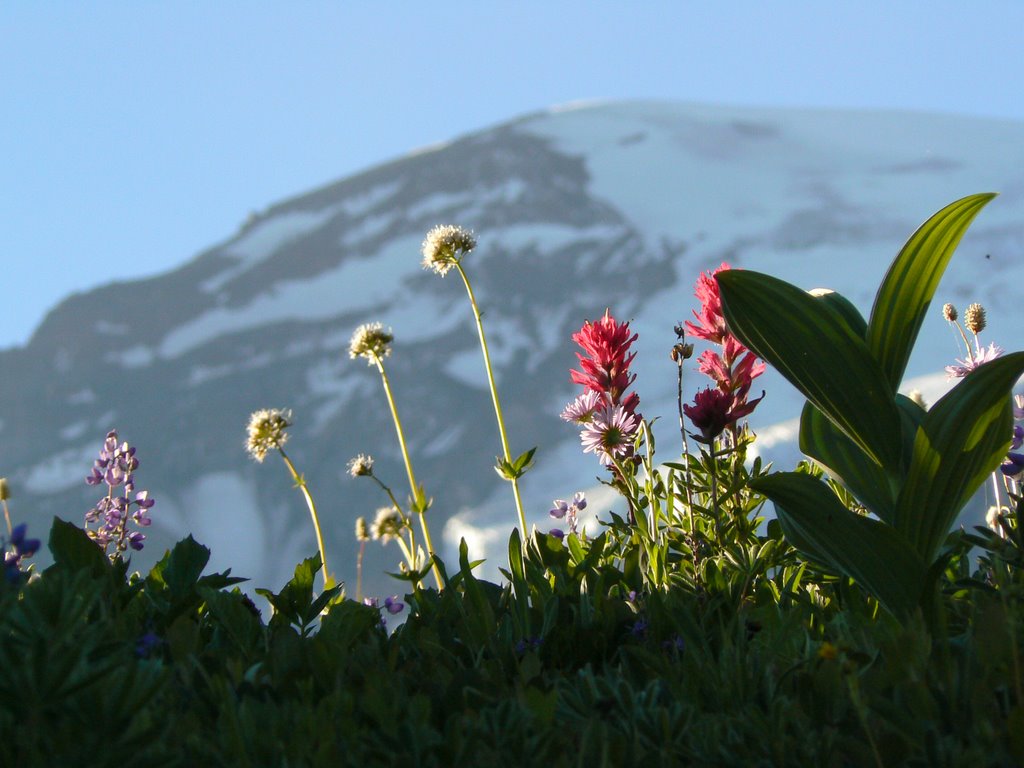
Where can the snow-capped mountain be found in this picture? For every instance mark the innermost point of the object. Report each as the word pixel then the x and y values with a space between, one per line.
pixel 576 209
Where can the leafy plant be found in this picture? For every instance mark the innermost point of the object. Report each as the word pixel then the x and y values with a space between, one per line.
pixel 914 469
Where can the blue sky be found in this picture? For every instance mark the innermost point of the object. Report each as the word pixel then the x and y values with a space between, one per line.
pixel 135 135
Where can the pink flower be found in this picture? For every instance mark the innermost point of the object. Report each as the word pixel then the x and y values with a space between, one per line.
pixel 713 410
pixel 982 356
pixel 605 368
pixel 610 433
pixel 581 410
pixel 710 321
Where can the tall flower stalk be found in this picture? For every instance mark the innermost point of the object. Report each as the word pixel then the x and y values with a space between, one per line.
pixel 122 504
pixel 443 250
pixel 372 342
pixel 605 412
pixel 267 431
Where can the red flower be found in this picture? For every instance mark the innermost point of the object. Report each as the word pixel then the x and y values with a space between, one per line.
pixel 605 368
pixel 711 322
pixel 713 410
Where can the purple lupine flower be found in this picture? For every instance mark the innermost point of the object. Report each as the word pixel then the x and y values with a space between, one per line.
pixel 146 644
pixel 527 644
pixel 569 511
pixel 1013 467
pixel 393 605
pixel 116 468
pixel 20 548
pixel 1018 437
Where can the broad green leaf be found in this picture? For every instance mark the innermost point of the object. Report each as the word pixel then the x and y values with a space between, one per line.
pixel 822 441
pixel 854 319
pixel 72 548
pixel 961 440
pixel 906 292
pixel 815 348
pixel 870 552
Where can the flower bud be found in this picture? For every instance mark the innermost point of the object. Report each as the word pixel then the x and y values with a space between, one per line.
pixel 949 312
pixel 974 318
pixel 362 530
pixel 5 490
pixel 445 246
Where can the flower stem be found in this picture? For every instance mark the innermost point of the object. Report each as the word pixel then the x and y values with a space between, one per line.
pixel 300 482
pixel 494 397
pixel 419 502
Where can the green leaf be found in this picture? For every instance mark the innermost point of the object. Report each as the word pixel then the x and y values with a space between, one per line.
pixel 181 567
pixel 844 307
pixel 907 289
pixel 960 442
pixel 846 462
pixel 814 347
pixel 870 552
pixel 72 548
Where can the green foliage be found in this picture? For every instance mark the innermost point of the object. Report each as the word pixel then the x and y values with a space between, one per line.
pixel 915 470
pixel 560 665
pixel 687 630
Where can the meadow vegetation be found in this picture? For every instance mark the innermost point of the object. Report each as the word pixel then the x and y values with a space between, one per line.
pixel 728 614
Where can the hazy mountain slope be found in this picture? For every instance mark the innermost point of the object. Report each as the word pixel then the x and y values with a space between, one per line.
pixel 576 209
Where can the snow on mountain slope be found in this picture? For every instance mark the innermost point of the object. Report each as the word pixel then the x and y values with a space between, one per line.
pixel 576 209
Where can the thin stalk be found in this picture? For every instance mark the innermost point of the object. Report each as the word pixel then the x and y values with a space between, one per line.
pixel 7 518
pixel 300 482
pixel 359 572
pixel 494 397
pixel 405 517
pixel 682 431
pixel 417 493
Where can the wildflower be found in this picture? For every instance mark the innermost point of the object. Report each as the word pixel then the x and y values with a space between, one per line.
pixel 827 651
pixel 266 430
pixel 21 548
pixel 982 356
pixel 1013 467
pixel 569 511
pixel 710 324
pixel 917 398
pixel 387 525
pixel 994 517
pixel 974 318
pixel 445 246
pixel 5 491
pixel 362 530
pixel 146 644
pixel 605 368
pixel 1018 437
pixel 370 341
pixel 360 466
pixel 734 370
pixel 949 312
pixel 713 410
pixel 116 468
pixel 393 605
pixel 733 367
pixel 581 410
pixel 610 434
pixel 528 644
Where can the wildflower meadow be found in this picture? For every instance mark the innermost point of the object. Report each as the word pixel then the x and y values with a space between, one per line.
pixel 723 613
